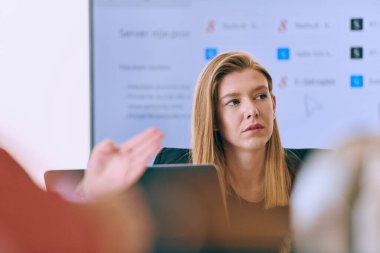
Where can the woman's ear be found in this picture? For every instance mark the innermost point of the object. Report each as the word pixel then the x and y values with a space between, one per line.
pixel 274 104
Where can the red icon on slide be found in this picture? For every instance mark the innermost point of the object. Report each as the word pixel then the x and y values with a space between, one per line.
pixel 283 82
pixel 210 26
pixel 283 26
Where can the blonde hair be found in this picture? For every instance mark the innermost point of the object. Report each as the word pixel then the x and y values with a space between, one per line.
pixel 207 144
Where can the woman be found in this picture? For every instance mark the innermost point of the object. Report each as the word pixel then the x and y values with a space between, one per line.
pixel 234 127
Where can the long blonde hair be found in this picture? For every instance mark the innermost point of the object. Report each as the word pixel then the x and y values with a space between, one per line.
pixel 207 144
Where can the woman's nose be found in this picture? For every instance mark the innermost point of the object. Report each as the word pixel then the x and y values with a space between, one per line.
pixel 251 111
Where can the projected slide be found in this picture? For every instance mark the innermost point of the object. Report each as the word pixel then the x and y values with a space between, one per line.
pixel 324 59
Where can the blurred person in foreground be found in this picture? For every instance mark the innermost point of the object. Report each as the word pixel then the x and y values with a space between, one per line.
pixel 111 219
pixel 336 200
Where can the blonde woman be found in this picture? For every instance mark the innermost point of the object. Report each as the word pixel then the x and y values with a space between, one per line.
pixel 234 127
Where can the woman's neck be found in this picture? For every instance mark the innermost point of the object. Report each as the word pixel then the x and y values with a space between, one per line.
pixel 247 173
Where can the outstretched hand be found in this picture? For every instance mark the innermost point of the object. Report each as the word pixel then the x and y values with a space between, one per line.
pixel 114 168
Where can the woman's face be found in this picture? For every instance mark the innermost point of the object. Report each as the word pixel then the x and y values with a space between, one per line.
pixel 246 110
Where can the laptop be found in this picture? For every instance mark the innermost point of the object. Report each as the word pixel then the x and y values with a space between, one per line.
pixel 63 182
pixel 185 200
pixel 187 205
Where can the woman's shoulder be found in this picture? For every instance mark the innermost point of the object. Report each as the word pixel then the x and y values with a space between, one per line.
pixel 294 157
pixel 173 156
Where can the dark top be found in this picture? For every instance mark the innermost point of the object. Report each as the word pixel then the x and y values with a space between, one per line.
pixel 252 226
pixel 294 157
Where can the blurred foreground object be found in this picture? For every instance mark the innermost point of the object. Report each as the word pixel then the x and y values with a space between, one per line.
pixel 336 203
pixel 32 220
pixel 114 168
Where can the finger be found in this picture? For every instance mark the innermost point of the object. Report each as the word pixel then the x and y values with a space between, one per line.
pixel 145 136
pixel 100 151
pixel 139 165
pixel 146 155
pixel 143 145
pixel 104 147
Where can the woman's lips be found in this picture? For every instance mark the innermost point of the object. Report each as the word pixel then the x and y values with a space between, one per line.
pixel 254 127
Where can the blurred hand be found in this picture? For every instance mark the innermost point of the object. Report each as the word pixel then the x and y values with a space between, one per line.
pixel 114 168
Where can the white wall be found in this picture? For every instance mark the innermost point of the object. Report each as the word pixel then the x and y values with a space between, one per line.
pixel 44 83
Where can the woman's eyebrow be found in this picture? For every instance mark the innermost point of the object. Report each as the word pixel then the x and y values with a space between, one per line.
pixel 231 94
pixel 234 94
pixel 261 87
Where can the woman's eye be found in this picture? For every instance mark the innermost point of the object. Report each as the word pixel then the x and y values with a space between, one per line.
pixel 261 96
pixel 233 102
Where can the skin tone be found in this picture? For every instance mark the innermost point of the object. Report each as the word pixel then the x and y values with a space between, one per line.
pixel 246 111
pixel 113 168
